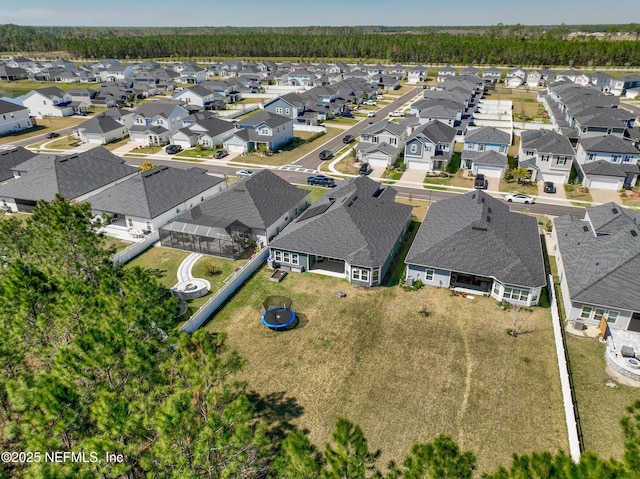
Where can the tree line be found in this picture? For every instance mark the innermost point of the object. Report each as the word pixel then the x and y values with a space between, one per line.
pixel 492 46
pixel 91 361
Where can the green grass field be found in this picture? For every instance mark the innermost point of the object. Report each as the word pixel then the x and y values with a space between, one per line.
pixel 375 359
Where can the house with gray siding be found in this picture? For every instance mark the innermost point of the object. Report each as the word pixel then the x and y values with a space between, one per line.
pixel 607 162
pixel 547 155
pixel 598 259
pixel 474 243
pixel 430 147
pixel 481 140
pixel 352 232
pixel 260 129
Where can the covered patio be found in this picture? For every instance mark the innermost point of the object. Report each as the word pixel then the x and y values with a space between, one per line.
pixel 471 282
pixel 327 266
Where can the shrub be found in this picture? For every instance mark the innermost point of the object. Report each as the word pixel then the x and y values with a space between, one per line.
pixel 212 269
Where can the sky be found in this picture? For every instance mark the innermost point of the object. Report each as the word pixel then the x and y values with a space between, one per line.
pixel 283 13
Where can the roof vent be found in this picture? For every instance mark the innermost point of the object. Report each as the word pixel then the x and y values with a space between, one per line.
pixel 585 229
pixel 634 233
pixel 482 200
pixel 489 209
pixel 488 219
pixel 473 196
pixel 614 210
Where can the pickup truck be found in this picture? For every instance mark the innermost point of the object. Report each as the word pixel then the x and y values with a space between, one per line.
pixel 321 180
pixel 480 182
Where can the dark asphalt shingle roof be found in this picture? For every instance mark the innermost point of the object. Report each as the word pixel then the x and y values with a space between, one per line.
pixel 358 222
pixel 8 107
pixel 604 168
pixel 436 132
pixel 601 270
pixel 10 159
pixel 488 134
pixel 491 158
pixel 608 144
pixel 257 201
pixel 99 124
pixel 153 192
pixel 70 176
pixel 475 233
pixel 546 141
pixel 270 119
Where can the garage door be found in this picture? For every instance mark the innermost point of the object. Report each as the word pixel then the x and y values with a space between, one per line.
pixel 377 161
pixel 235 148
pixel 418 165
pixel 606 183
pixel 489 172
pixel 553 178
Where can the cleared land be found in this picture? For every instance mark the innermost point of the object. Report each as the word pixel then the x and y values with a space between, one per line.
pixel 374 358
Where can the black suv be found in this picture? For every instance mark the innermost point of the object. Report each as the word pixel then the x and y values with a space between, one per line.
pixel 321 180
pixel 325 154
pixel 365 169
pixel 52 134
pixel 220 154
pixel 173 149
pixel 346 114
pixel 549 187
pixel 480 182
pixel 347 139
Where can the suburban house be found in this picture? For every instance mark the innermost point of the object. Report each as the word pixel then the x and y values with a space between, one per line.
pixel 209 131
pixel 294 106
pixel 417 74
pixel 618 86
pixel 250 211
pixel 10 158
pixel 515 77
pixel 597 121
pixel 8 73
pixel 480 140
pixel 116 72
pixel 491 74
pixel 598 260
pixel 351 232
pixel 445 73
pixel 74 177
pixel 152 198
pixel 380 144
pixel 260 129
pixel 474 243
pixel 13 117
pixel 100 130
pixel 430 147
pixel 607 162
pixel 547 155
pixel 200 96
pixel 50 101
pixel 154 122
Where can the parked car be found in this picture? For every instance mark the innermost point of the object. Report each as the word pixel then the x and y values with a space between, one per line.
pixel 396 113
pixel 365 169
pixel 173 149
pixel 549 187
pixel 346 114
pixel 380 97
pixel 347 139
pixel 371 114
pixel 321 180
pixel 370 103
pixel 325 154
pixel 480 182
pixel 52 134
pixel 244 173
pixel 220 154
pixel 519 198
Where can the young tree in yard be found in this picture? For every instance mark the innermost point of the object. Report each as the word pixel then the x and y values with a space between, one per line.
pixel 520 174
pixel 146 166
pixel 296 459
pixel 439 459
pixel 348 455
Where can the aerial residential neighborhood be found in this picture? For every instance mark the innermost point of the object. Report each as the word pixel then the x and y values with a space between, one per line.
pixel 239 265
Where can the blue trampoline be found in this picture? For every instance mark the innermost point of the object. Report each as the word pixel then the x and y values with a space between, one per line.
pixel 278 313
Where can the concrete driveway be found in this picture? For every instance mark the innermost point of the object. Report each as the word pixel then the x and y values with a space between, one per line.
pixel 560 194
pixel 604 196
pixel 377 172
pixel 412 177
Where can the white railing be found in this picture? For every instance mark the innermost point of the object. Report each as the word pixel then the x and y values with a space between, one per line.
pixel 530 125
pixel 567 392
pixel 135 249
pixel 239 277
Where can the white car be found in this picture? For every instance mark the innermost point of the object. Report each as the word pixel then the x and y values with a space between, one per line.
pixel 244 173
pixel 370 103
pixel 396 113
pixel 371 114
pixel 519 198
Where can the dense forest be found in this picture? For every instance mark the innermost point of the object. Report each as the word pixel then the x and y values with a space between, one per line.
pixel 497 45
pixel 91 363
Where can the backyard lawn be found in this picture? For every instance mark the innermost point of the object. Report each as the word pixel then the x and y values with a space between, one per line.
pixel 600 407
pixel 403 376
pixel 165 259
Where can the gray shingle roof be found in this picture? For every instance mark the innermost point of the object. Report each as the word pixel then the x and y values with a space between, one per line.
pixel 608 144
pixel 70 176
pixel 8 107
pixel 436 132
pixel 488 134
pixel 156 108
pixel 257 201
pixel 546 141
pixel 270 119
pixel 358 222
pixel 477 234
pixel 11 158
pixel 492 158
pixel 602 270
pixel 379 126
pixel 99 124
pixel 604 168
pixel 153 192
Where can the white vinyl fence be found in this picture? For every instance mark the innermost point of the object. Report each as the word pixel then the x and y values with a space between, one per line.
pixel 136 248
pixel 313 128
pixel 570 410
pixel 208 308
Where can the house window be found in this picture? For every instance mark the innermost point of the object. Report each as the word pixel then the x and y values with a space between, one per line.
pixel 496 288
pixel 586 312
pixel 516 294
pixel 544 158
pixel 481 147
pixel 393 141
pixel 591 156
pixel 428 275
pixel 503 149
pixel 264 131
pixel 286 111
pixel 279 110
pixel 360 274
pixel 413 148
pixel 615 159
pixel 529 153
pixel 375 139
pixel 599 314
pixel 562 160
pixel 612 317
pixel 584 129
pixel 375 276
pixel 148 225
pixel 130 221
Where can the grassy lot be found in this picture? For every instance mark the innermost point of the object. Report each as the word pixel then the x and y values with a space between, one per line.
pixel 512 186
pixel 573 194
pixel 67 142
pixel 348 165
pixel 225 266
pixel 45 125
pixel 512 150
pixel 144 150
pixel 375 359
pixel 316 192
pixel 165 259
pixel 22 217
pixel 630 198
pixel 118 243
pixel 116 144
pixel 600 407
pixel 294 151
pixel 339 120
pixel 392 174
pixel 420 207
pixel 195 153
